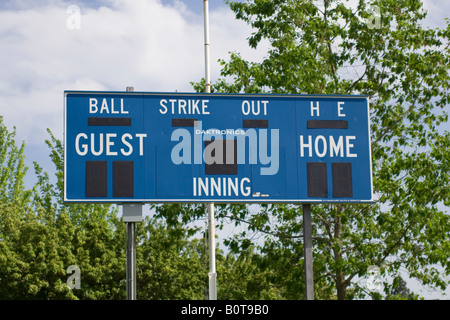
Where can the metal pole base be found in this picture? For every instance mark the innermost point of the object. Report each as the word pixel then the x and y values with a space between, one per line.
pixel 307 249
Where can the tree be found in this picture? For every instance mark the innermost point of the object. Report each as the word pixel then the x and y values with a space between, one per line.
pixel 42 239
pixel 400 291
pixel 375 48
pixel 169 262
pixel 12 168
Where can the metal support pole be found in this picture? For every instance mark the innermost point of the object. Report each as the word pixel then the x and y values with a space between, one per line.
pixel 207 63
pixel 131 213
pixel 131 261
pixel 212 254
pixel 307 249
pixel 211 229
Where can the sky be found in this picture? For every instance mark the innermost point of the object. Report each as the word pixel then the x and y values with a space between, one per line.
pixel 152 45
pixel 148 44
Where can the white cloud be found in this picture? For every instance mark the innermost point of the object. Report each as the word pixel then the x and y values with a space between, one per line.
pixel 149 44
pixel 144 43
pixel 140 43
pixel 437 11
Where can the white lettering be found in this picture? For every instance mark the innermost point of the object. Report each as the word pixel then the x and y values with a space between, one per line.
pixel 265 106
pixel 122 110
pixel 112 107
pixel 96 142
pixel 245 107
pixel 194 187
pixel 162 104
pixel 254 107
pixel 322 144
pixel 100 151
pixel 245 190
pixel 125 142
pixel 193 310
pixel 303 145
pixel 104 106
pixel 215 186
pixel 340 109
pixel 184 106
pixel 109 144
pixel 93 105
pixel 84 146
pixel 316 108
pixel 202 186
pixel 195 109
pixel 221 187
pixel 172 101
pixel 350 145
pixel 204 106
pixel 337 148
pixel 234 186
pixel 141 137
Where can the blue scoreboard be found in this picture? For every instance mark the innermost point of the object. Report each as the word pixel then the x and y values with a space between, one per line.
pixel 197 147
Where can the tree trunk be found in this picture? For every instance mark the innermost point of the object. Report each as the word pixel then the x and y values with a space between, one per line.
pixel 341 286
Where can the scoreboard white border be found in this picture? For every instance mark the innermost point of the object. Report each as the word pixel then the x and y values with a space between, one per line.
pixel 240 95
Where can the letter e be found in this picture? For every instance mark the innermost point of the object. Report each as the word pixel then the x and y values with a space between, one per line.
pixel 340 109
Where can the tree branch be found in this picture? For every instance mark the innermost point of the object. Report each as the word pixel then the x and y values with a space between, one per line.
pixel 276 234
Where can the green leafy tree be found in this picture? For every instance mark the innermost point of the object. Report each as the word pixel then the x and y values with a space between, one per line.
pixel 91 236
pixel 400 291
pixel 375 48
pixel 12 169
pixel 41 237
pixel 41 240
pixel 29 260
pixel 170 263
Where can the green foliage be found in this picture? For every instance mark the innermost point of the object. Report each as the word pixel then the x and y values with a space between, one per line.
pixel 169 266
pixel 329 47
pixel 41 237
pixel 399 291
pixel 12 169
pixel 320 47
